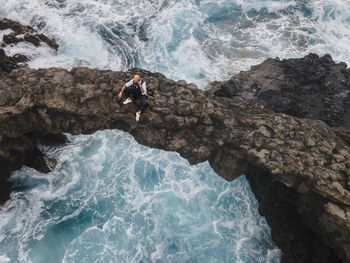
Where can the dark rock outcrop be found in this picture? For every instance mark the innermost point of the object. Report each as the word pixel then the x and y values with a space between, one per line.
pixel 22 33
pixel 19 34
pixel 303 157
pixel 24 151
pixel 310 87
pixel 280 204
pixel 7 64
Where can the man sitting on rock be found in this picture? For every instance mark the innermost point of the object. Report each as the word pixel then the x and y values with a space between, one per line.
pixel 137 88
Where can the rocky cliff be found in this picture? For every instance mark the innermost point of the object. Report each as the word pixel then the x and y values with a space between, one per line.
pixel 311 87
pixel 26 153
pixel 299 168
pixel 306 156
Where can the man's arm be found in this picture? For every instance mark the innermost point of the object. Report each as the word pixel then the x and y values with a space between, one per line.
pixel 142 87
pixel 128 84
pixel 120 95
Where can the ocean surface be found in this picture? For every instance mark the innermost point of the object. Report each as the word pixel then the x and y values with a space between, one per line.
pixel 112 200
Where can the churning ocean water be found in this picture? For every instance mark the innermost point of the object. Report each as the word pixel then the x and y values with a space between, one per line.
pixel 112 200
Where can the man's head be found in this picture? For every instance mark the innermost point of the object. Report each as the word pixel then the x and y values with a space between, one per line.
pixel 136 78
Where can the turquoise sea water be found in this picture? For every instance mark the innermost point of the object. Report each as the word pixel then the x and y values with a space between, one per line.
pixel 112 200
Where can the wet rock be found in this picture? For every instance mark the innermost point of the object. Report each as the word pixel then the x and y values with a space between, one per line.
pixel 19 33
pixel 24 34
pixel 49 41
pixel 7 64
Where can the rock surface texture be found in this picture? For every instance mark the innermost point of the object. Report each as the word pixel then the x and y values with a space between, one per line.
pixel 304 161
pixel 310 87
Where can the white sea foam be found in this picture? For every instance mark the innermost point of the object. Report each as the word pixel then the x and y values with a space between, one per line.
pixel 4 259
pixel 270 5
pixel 128 203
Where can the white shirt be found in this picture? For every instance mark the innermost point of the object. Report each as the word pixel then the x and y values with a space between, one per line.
pixel 131 82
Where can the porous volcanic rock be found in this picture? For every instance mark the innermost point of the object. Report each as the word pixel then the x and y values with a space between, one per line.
pixel 305 157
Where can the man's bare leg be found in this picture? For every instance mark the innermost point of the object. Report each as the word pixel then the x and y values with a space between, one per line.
pixel 138 114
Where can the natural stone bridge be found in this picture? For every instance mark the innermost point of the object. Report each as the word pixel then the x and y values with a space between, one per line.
pixel 305 162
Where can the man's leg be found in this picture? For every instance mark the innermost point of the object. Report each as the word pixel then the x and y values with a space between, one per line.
pixel 129 91
pixel 143 102
pixel 142 99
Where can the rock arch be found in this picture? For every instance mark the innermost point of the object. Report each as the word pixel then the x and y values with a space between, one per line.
pixel 303 156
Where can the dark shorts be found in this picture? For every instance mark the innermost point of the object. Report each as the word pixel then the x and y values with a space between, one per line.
pixel 136 92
